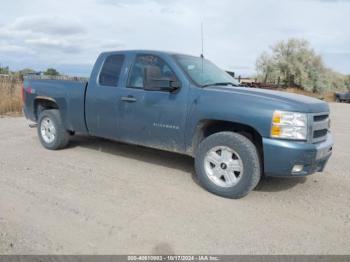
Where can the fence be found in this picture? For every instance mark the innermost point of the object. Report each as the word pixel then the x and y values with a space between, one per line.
pixel 48 77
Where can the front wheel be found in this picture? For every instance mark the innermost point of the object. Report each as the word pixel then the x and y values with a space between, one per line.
pixel 51 131
pixel 228 164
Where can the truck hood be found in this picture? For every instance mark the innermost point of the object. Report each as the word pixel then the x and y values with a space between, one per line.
pixel 294 102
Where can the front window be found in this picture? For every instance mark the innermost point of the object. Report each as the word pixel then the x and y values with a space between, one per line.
pixel 157 67
pixel 203 72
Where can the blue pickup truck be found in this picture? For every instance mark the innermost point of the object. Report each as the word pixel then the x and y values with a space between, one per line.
pixel 186 104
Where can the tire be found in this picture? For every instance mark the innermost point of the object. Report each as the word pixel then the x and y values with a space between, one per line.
pixel 233 150
pixel 338 100
pixel 51 132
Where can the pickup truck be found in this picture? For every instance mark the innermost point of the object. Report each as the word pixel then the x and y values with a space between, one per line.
pixel 188 105
pixel 342 97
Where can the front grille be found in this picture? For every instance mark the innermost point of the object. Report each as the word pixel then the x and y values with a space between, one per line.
pixel 320 133
pixel 319 127
pixel 320 117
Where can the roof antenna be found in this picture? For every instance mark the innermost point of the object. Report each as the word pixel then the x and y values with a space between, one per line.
pixel 202 37
pixel 202 54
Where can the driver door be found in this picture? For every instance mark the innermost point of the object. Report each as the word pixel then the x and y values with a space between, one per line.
pixel 152 118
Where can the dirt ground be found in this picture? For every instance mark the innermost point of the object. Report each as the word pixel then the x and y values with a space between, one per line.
pixel 102 197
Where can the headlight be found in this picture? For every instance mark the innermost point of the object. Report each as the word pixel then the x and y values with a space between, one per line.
pixel 289 125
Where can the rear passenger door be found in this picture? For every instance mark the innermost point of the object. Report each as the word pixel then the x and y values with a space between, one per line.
pixel 101 104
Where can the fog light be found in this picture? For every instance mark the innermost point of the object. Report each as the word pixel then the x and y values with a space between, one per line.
pixel 297 168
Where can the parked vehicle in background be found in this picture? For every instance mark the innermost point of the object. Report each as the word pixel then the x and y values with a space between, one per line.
pixel 342 97
pixel 186 104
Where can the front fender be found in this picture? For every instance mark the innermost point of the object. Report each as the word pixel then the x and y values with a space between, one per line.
pixel 238 110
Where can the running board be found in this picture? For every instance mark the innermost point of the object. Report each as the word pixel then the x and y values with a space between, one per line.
pixel 35 125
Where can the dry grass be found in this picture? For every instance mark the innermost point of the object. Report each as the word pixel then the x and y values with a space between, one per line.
pixel 10 96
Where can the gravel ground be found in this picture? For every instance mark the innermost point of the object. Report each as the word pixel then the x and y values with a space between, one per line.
pixel 102 197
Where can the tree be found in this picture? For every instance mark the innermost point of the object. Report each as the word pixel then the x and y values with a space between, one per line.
pixel 4 70
pixel 21 73
pixel 266 67
pixel 347 82
pixel 26 71
pixel 51 72
pixel 295 63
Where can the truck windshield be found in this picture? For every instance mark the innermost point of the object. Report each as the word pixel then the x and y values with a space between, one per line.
pixel 203 72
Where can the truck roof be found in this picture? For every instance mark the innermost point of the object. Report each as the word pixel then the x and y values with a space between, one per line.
pixel 137 51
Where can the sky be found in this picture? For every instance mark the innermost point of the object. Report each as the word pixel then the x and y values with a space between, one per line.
pixel 69 35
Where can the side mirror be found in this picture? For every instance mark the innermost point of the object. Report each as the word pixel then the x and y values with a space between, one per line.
pixel 159 84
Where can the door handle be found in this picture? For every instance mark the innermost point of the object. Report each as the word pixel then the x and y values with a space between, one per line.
pixel 129 99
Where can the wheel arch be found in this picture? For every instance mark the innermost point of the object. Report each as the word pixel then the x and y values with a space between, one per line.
pixel 208 127
pixel 42 103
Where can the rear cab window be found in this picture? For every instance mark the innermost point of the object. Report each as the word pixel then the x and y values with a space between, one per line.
pixel 111 69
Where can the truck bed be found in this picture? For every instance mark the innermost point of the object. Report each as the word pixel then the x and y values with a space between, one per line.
pixel 68 93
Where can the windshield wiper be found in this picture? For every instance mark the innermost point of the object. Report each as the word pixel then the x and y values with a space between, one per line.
pixel 220 84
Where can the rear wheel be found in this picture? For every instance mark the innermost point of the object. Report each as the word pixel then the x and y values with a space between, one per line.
pixel 228 164
pixel 51 131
